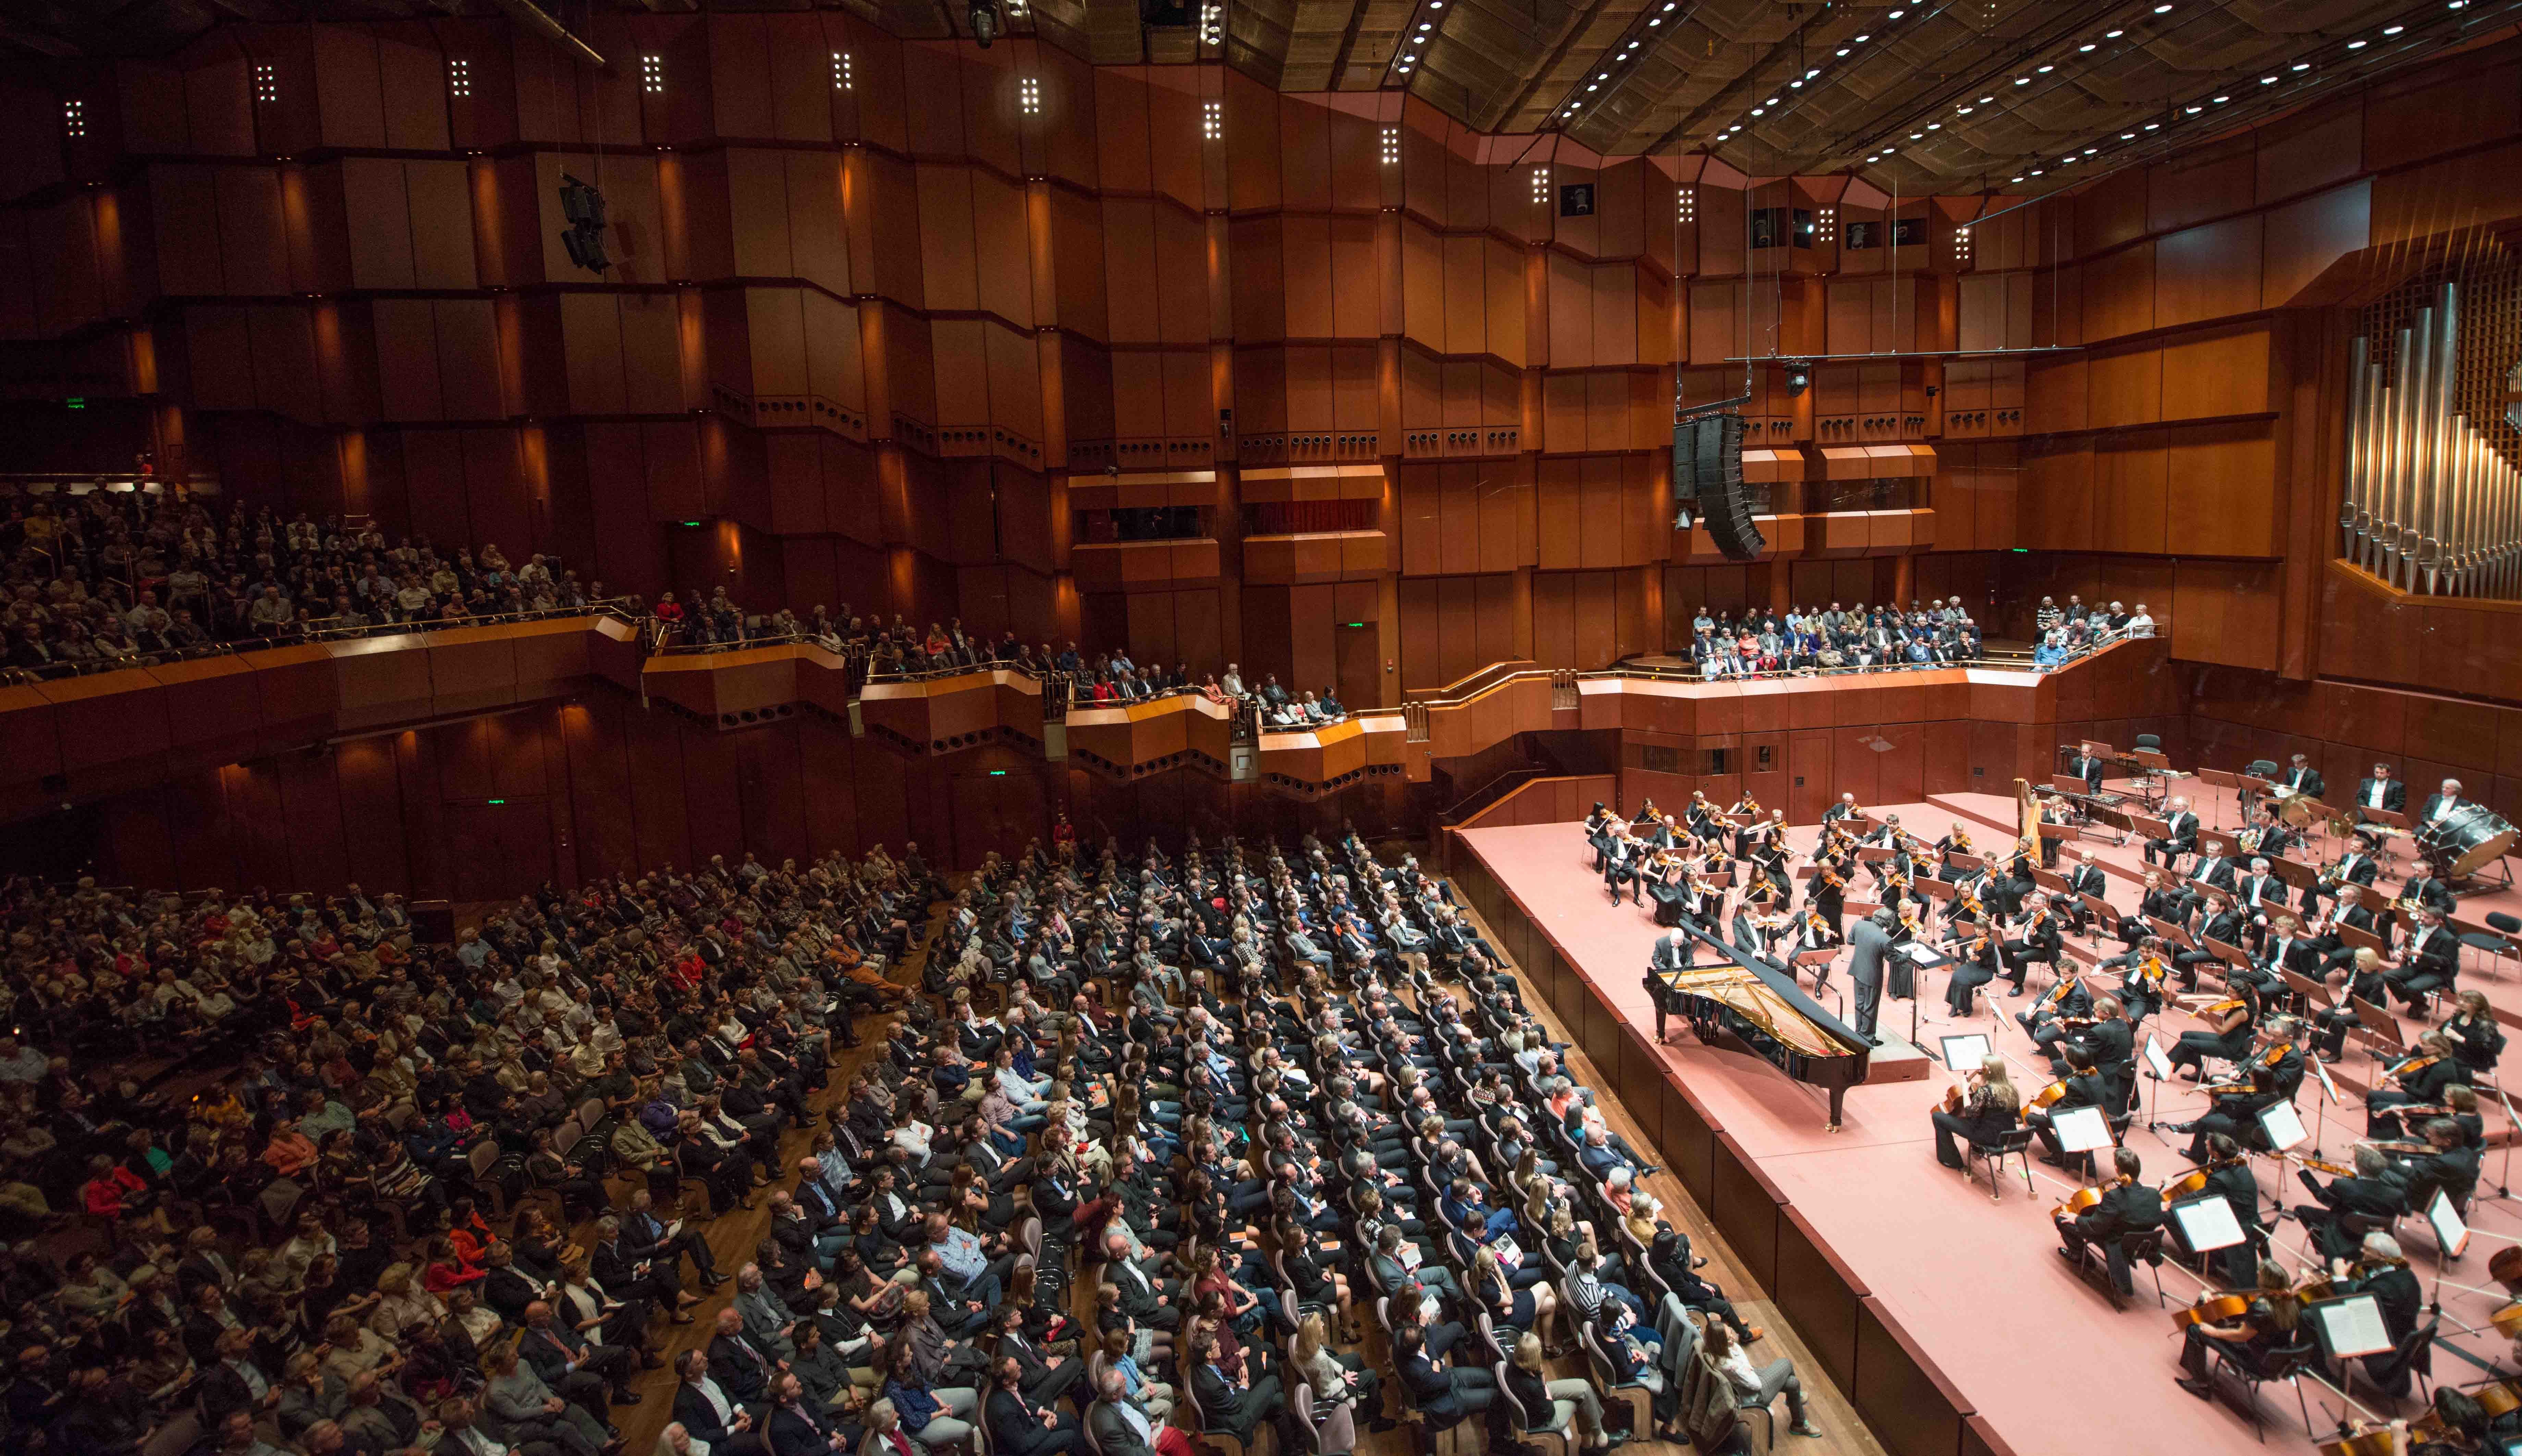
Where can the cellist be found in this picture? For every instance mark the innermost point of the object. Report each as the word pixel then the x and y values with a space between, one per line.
pixel 2122 1208
pixel 2266 1325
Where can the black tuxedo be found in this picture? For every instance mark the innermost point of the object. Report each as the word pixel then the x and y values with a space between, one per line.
pixel 2394 794
pixel 2303 780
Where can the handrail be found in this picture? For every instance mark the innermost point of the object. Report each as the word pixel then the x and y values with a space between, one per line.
pixel 315 632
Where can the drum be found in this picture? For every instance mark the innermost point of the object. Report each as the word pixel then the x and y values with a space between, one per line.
pixel 2467 840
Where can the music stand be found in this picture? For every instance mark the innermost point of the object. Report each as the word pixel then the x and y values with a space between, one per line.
pixel 2083 1129
pixel 1873 854
pixel 2356 940
pixel 1819 955
pixel 2166 929
pixel 2231 954
pixel 2313 992
pixel 2282 1126
pixel 1964 1049
pixel 2223 779
pixel 1933 889
pixel 1968 864
pixel 2148 826
pixel 2049 880
pixel 2206 1225
pixel 2380 1026
pixel 2350 1327
pixel 2450 1232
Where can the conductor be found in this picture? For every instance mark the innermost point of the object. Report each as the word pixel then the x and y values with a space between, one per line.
pixel 1869 941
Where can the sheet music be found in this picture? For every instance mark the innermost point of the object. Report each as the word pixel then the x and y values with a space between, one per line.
pixel 2155 1060
pixel 2208 1223
pixel 2450 1231
pixel 2083 1129
pixel 2353 1326
pixel 2283 1127
pixel 2320 1070
pixel 1965 1051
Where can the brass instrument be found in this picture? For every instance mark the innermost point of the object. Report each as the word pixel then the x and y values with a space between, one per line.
pixel 2248 840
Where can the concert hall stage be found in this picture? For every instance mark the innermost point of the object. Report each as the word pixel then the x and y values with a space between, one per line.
pixel 1950 1319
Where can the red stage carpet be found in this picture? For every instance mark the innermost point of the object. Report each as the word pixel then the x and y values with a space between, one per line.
pixel 1978 1286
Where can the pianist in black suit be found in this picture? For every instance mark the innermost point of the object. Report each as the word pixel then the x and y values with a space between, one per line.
pixel 2381 791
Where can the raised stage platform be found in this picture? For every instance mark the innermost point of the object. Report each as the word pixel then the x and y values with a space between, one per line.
pixel 1950 1319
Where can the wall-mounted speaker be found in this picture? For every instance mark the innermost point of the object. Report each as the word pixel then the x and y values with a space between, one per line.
pixel 1712 445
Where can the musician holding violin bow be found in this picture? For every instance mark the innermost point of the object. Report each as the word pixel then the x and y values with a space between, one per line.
pixel 2273 1075
pixel 2107 1214
pixel 2226 1175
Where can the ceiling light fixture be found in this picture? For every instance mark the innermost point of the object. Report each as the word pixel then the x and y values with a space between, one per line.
pixel 2393 29
pixel 2086 49
pixel 2045 70
pixel 1917 136
pixel 2302 65
pixel 2194 110
pixel 2163 10
pixel 2153 126
pixel 2036 172
pixel 2023 80
pixel 2128 136
pixel 1862 39
pixel 1966 111
pixel 2013 179
pixel 1935 126
pixel 1842 50
pixel 2221 100
pixel 2268 80
pixel 1757 111
pixel 2358 45
pixel 2113 34
pixel 1985 100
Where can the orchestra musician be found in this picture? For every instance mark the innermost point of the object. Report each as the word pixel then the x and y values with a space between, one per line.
pixel 2429 963
pixel 2383 1272
pixel 2475 1037
pixel 2041 943
pixel 1827 892
pixel 1646 816
pixel 1989 1109
pixel 1813 932
pixel 2274 1073
pixel 2357 865
pixel 2374 1193
pixel 2223 923
pixel 2229 1175
pixel 2215 867
pixel 2158 902
pixel 2418 1081
pixel 2273 835
pixel 1770 849
pixel 2333 1022
pixel 1845 809
pixel 2424 889
pixel 2082 1086
pixel 1957 842
pixel 2068 1001
pixel 2085 879
pixel 2381 791
pixel 2354 913
pixel 2301 778
pixel 1747 814
pixel 2285 949
pixel 1598 832
pixel 2440 803
pixel 1700 815
pixel 2126 1206
pixel 1623 863
pixel 1977 961
pixel 2228 1035
pixel 2448 1165
pixel 2183 827
pixel 2266 1325
pixel 2081 765
pixel 2142 984
pixel 2259 894
pixel 2111 1042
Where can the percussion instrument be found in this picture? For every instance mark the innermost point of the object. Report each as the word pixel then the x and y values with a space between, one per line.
pixel 2467 840
pixel 2302 812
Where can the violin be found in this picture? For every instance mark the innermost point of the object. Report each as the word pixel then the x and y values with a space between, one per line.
pixel 2333 1169
pixel 2414 1064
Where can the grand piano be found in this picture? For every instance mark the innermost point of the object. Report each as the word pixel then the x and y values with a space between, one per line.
pixel 1743 1002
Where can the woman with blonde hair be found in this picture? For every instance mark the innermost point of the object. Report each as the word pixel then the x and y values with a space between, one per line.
pixel 1554 1403
pixel 405 1305
pixel 1338 1378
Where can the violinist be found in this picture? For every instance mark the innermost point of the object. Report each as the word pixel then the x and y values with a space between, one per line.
pixel 2082 1086
pixel 2460 1427
pixel 2157 903
pixel 2461 1104
pixel 2446 1164
pixel 2142 984
pixel 2363 983
pixel 1646 815
pixel 2419 1081
pixel 1977 961
pixel 2372 1194
pixel 1622 864
pixel 1700 815
pixel 2125 1206
pixel 1748 816
pixel 2266 1325
pixel 2069 1001
pixel 1981 1111
pixel 1598 833
pixel 2229 1175
pixel 1827 891
pixel 1969 902
pixel 2430 962
pixel 1843 810
pixel 2383 1272
pixel 2040 942
pixel 1813 932
pixel 1769 848
pixel 2228 1035
pixel 2476 1039
pixel 1667 885
pixel 1957 842
pixel 2272 1077
pixel 2112 1042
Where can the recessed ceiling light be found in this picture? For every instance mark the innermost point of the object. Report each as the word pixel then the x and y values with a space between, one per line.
pixel 1966 111
pixel 2023 80
pixel 2393 29
pixel 1935 126
pixel 2128 136
pixel 2221 100
pixel 2163 10
pixel 1842 50
pixel 2457 4
pixel 2045 70
pixel 2013 179
pixel 1794 85
pixel 1985 100
pixel 2036 172
pixel 2153 126
pixel 1917 136
pixel 1898 14
pixel 2358 45
pixel 1658 20
pixel 1756 110
pixel 1862 39
pixel 2066 161
pixel 2268 80
pixel 2302 65
pixel 1589 85
pixel 2113 34
pixel 1809 74
pixel 1632 45
pixel 2086 49
pixel 2194 110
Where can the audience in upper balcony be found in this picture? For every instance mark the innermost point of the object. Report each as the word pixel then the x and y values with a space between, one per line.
pixel 1807 640
pixel 110 578
pixel 2067 633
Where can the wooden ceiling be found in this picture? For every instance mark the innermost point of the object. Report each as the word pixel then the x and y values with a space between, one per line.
pixel 1916 95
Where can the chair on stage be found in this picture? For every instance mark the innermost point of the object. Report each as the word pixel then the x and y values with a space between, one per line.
pixel 2289 1363
pixel 2015 1144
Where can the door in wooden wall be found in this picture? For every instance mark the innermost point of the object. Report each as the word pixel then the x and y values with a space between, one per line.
pixel 1361 675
